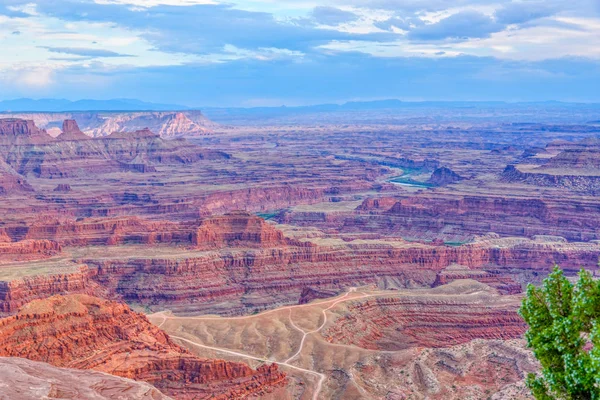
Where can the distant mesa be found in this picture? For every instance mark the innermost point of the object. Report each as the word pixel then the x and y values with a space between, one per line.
pixel 71 131
pixel 138 151
pixel 166 124
pixel 444 176
pixel 21 131
pixel 574 166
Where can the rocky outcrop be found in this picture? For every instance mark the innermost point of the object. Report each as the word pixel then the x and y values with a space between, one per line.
pixel 23 379
pixel 21 132
pixel 70 155
pixel 106 231
pixel 584 183
pixel 260 199
pixel 444 176
pixel 576 167
pixel 70 131
pixel 378 203
pixel 460 218
pixel 502 282
pixel 84 332
pixel 309 294
pixel 11 182
pixel 400 322
pixel 241 279
pixel 167 124
pixel 23 286
pixel 27 249
pixel 239 229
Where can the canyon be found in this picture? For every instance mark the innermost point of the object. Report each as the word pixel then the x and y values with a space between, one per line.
pixel 190 259
pixel 96 124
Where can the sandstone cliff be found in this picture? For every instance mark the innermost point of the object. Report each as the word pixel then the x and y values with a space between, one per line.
pixel 22 132
pixel 400 322
pixel 167 124
pixel 84 332
pixel 29 150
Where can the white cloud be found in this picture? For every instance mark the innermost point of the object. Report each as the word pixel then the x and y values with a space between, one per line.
pixel 143 4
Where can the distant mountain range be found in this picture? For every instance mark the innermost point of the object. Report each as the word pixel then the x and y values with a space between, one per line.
pixel 378 111
pixel 62 105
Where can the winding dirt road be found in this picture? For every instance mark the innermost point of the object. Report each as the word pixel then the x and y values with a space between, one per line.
pixel 285 363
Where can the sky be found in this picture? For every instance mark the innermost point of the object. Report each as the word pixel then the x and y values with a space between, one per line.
pixel 298 52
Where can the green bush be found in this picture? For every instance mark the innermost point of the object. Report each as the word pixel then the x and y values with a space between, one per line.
pixel 564 334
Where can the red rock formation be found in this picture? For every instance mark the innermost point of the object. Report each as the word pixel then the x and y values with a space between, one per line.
pixel 505 284
pixel 11 182
pixel 201 281
pixel 444 176
pixel 72 156
pixel 107 231
pixel 378 203
pixel 167 124
pixel 401 322
pixel 22 379
pixel 70 131
pixel 84 332
pixel 237 229
pixel 584 183
pixel 259 199
pixel 17 291
pixel 20 132
pixel 459 218
pixel 27 249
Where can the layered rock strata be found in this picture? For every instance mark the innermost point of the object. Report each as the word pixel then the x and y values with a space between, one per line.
pixel 38 380
pixel 84 332
pixel 460 218
pixel 29 150
pixel 400 322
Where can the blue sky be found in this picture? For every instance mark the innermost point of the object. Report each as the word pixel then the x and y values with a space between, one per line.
pixel 296 52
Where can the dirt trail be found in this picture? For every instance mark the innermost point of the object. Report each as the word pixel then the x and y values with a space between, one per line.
pixel 285 363
pixel 346 297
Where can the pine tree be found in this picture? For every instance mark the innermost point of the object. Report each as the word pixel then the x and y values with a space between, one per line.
pixel 564 333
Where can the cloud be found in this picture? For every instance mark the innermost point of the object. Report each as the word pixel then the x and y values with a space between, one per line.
pixel 291 51
pixel 84 52
pixel 519 13
pixel 406 24
pixel 205 28
pixel 462 25
pixel 332 16
pixel 33 79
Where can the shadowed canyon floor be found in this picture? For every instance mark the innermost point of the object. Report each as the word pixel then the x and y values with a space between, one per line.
pixel 340 261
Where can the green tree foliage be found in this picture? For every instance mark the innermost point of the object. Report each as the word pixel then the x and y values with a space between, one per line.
pixel 564 333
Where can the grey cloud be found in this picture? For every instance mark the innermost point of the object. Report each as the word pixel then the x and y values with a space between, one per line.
pixel 332 16
pixel 84 51
pixel 519 13
pixel 462 25
pixel 405 24
pixel 205 28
